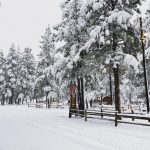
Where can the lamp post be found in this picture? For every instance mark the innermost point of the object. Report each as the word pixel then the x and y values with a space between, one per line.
pixel 144 65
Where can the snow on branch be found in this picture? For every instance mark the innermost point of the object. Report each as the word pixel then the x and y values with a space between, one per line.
pixel 130 60
pixel 47 88
pixel 88 44
pixel 39 79
pixel 147 53
pixel 121 17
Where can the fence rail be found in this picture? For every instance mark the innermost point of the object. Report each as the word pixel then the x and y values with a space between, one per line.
pixel 110 115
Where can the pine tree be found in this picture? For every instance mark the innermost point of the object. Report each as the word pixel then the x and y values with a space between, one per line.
pixel 46 59
pixel 2 78
pixel 27 73
pixel 71 30
pixel 113 33
pixel 12 66
pixel 73 33
pixel 146 24
pixel 47 49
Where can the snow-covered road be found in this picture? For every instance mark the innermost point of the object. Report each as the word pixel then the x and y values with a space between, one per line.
pixel 23 128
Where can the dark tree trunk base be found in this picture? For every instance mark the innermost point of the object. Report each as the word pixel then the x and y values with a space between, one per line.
pixel 117 90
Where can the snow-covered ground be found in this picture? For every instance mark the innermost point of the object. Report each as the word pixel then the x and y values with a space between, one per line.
pixel 23 128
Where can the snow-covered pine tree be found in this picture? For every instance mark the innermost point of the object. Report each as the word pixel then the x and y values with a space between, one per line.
pixel 47 50
pixel 115 34
pixel 12 66
pixel 146 28
pixel 93 17
pixel 2 78
pixel 122 31
pixel 73 35
pixel 27 75
pixel 46 59
pixel 70 30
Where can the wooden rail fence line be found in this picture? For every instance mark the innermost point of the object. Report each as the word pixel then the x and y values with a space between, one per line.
pixel 117 118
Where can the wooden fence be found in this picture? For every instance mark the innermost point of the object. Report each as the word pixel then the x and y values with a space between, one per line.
pixel 110 115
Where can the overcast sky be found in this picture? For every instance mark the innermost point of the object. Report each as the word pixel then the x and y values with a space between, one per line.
pixel 24 21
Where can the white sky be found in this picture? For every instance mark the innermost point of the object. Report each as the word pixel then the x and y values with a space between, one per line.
pixel 22 22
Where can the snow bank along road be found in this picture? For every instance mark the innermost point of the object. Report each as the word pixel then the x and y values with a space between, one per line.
pixel 23 128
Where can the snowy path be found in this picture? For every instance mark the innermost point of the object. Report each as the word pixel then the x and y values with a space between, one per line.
pixel 23 128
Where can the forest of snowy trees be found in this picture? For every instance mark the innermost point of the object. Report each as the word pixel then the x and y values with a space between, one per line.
pixel 103 36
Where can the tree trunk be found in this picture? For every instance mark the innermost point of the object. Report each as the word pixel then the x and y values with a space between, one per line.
pixel 110 85
pixel 117 90
pixel 82 93
pixel 87 106
pixel 116 70
pixel 16 98
pixel 11 98
pixel 79 94
pixel 58 100
pixel 47 97
pixel 3 99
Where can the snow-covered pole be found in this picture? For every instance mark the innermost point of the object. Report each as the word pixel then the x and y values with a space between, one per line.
pixel 144 65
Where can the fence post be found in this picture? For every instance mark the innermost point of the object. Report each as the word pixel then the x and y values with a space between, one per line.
pixel 123 109
pixel 132 113
pixel 139 108
pixel 70 115
pixel 85 115
pixel 101 112
pixel 116 116
pixel 46 104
